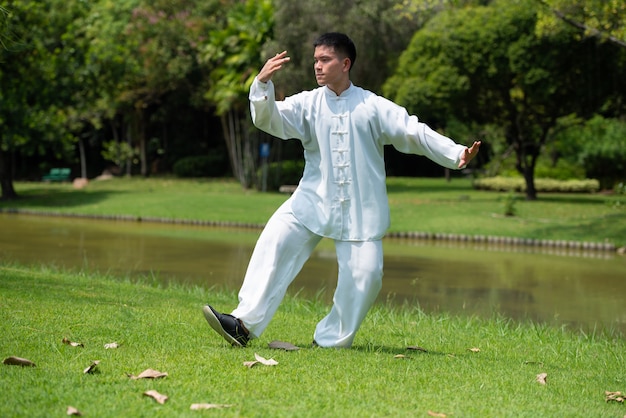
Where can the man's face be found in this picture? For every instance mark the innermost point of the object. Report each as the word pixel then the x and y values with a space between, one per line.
pixel 330 69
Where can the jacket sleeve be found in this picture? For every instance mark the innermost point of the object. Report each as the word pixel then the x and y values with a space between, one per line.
pixel 408 135
pixel 282 119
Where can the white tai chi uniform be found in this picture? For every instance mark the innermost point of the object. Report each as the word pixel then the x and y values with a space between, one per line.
pixel 342 196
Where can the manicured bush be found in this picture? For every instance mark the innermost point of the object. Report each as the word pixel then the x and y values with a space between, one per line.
pixel 542 185
pixel 201 166
pixel 281 173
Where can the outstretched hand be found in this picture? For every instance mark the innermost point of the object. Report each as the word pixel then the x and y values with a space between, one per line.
pixel 272 65
pixel 469 154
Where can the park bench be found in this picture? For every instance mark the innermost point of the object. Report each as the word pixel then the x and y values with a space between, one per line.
pixel 287 188
pixel 57 174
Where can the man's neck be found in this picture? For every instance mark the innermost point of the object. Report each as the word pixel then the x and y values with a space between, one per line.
pixel 339 88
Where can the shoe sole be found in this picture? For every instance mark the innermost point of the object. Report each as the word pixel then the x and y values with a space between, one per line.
pixel 214 322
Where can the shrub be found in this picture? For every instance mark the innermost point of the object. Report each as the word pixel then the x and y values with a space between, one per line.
pixel 542 185
pixel 604 150
pixel 562 170
pixel 509 204
pixel 282 172
pixel 201 166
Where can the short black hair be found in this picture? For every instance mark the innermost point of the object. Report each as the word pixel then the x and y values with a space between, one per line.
pixel 342 44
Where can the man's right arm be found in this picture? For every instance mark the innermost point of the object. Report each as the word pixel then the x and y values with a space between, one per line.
pixel 280 119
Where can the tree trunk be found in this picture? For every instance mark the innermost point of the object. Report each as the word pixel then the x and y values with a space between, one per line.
pixel 129 139
pixel 242 148
pixel 233 145
pixel 529 178
pixel 141 134
pixel 6 176
pixel 526 160
pixel 83 159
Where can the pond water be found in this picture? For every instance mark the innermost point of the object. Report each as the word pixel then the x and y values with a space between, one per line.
pixel 561 287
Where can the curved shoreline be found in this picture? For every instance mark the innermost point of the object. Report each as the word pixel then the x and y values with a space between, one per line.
pixel 408 235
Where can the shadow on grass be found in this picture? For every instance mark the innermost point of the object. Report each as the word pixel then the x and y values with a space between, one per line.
pixel 613 225
pixel 571 199
pixel 407 351
pixel 398 186
pixel 42 197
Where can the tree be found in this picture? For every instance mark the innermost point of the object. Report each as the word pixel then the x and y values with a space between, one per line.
pixel 141 73
pixel 603 19
pixel 381 30
pixel 36 83
pixel 233 55
pixel 107 61
pixel 488 65
pixel 164 37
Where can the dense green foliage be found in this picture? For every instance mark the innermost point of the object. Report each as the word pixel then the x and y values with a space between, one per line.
pixel 488 65
pixel 213 165
pixel 603 19
pixel 604 150
pixel 164 80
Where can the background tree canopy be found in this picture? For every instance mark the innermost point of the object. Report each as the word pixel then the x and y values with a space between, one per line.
pixel 488 65
pixel 152 82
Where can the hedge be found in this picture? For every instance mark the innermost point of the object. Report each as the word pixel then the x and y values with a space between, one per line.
pixel 541 184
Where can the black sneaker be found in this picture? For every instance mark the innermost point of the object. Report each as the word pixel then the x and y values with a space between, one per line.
pixel 229 327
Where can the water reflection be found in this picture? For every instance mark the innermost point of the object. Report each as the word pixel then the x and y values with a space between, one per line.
pixel 581 289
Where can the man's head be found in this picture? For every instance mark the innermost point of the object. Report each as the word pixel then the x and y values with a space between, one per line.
pixel 333 58
pixel 341 43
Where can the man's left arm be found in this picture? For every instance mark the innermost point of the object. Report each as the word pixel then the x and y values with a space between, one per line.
pixel 408 135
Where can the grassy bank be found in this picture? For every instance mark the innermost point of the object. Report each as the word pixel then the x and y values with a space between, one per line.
pixel 424 205
pixel 163 329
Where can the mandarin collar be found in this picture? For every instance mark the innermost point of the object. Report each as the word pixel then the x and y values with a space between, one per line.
pixel 343 94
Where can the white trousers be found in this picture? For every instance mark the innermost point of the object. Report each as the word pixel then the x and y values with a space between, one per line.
pixel 280 252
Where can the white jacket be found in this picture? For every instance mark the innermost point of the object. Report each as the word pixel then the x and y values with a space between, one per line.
pixel 342 194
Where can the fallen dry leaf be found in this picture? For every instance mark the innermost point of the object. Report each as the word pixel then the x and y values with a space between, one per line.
pixel 416 348
pixel 260 360
pixel 92 367
pixel 72 343
pixel 111 345
pixel 160 398
pixel 615 396
pixel 18 361
pixel 73 411
pixel 282 345
pixel 399 356
pixel 474 349
pixel 198 406
pixel 264 361
pixel 148 374
pixel 541 378
pixel 437 414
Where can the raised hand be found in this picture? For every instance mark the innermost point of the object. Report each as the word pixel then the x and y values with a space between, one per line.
pixel 469 154
pixel 272 65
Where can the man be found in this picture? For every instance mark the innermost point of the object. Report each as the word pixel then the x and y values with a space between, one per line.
pixel 342 194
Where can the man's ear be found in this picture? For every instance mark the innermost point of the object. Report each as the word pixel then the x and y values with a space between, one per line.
pixel 347 64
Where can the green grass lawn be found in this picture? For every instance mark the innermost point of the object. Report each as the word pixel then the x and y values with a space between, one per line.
pixel 163 329
pixel 417 204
